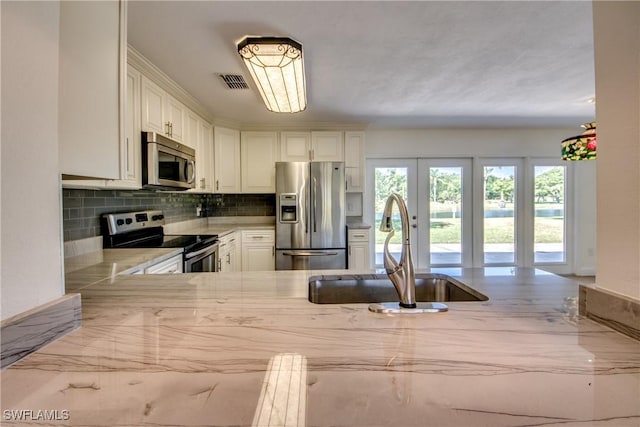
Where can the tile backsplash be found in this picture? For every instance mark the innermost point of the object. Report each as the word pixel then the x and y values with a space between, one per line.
pixel 241 204
pixel 81 209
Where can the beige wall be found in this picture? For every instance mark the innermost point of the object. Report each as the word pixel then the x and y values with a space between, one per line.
pixel 617 66
pixel 31 262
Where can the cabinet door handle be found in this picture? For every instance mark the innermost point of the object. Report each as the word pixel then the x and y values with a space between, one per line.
pixel 273 251
pixel 217 185
pixel 126 158
pixel 219 264
pixel 349 250
pixel 358 235
pixel 168 127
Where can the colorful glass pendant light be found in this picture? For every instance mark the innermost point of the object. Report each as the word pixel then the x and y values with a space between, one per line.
pixel 583 146
pixel 276 67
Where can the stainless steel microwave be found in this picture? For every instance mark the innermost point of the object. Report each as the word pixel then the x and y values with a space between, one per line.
pixel 167 164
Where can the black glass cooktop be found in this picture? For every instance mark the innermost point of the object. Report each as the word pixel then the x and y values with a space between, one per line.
pixel 190 243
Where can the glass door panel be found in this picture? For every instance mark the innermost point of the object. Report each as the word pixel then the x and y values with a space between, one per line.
pixel 388 180
pixel 445 215
pixel 394 175
pixel 499 206
pixel 549 214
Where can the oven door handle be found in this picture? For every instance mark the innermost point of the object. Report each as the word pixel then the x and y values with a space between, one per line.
pixel 307 253
pixel 200 252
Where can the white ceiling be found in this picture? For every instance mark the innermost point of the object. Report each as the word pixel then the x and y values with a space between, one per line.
pixel 386 64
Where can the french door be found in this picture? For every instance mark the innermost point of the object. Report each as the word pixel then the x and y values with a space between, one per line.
pixel 444 226
pixel 438 196
pixel 385 176
pixel 474 212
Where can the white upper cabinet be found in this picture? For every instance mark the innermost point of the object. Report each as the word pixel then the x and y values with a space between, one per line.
pixel 152 107
pixel 295 146
pixel 327 146
pixel 175 119
pixel 130 153
pixel 316 146
pixel 92 68
pixel 191 138
pixel 354 161
pixel 259 152
pixel 192 131
pixel 227 160
pixel 162 113
pixel 204 158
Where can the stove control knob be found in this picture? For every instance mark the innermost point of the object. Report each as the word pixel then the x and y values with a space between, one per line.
pixel 120 222
pixel 157 217
pixel 128 220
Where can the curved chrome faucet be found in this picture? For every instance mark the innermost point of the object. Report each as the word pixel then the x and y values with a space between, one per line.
pixel 401 274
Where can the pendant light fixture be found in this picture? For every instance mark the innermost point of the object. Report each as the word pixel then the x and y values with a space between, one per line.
pixel 583 146
pixel 276 66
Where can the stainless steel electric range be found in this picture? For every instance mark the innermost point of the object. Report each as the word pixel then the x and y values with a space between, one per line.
pixel 144 229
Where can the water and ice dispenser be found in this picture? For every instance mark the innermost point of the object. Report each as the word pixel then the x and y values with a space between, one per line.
pixel 288 208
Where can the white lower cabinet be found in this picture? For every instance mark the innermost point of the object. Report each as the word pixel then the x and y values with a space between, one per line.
pixel 228 247
pixel 172 265
pixel 258 250
pixel 359 252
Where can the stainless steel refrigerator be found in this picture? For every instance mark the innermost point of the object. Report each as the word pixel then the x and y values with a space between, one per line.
pixel 310 216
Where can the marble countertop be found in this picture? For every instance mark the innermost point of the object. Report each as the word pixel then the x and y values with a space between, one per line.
pixel 222 230
pixel 358 225
pixel 220 349
pixel 226 225
pixel 93 267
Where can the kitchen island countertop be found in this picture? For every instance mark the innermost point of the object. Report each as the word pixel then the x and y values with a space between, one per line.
pixel 193 349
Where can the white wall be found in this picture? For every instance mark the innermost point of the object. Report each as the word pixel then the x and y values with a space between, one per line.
pixel 584 221
pixel 468 143
pixel 30 190
pixel 617 61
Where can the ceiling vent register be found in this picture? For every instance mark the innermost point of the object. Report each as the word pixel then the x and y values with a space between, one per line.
pixel 234 81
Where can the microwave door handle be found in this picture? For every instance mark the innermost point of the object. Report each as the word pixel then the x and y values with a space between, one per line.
pixel 191 163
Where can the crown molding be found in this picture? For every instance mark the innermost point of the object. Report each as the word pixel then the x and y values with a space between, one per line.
pixel 155 74
pixel 304 126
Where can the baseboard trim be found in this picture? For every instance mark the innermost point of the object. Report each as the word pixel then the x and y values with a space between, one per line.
pixel 616 311
pixel 27 332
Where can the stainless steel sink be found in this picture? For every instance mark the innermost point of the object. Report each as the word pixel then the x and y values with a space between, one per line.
pixel 373 288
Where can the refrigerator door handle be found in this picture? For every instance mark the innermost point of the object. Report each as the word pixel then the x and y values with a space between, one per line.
pixel 307 253
pixel 315 199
